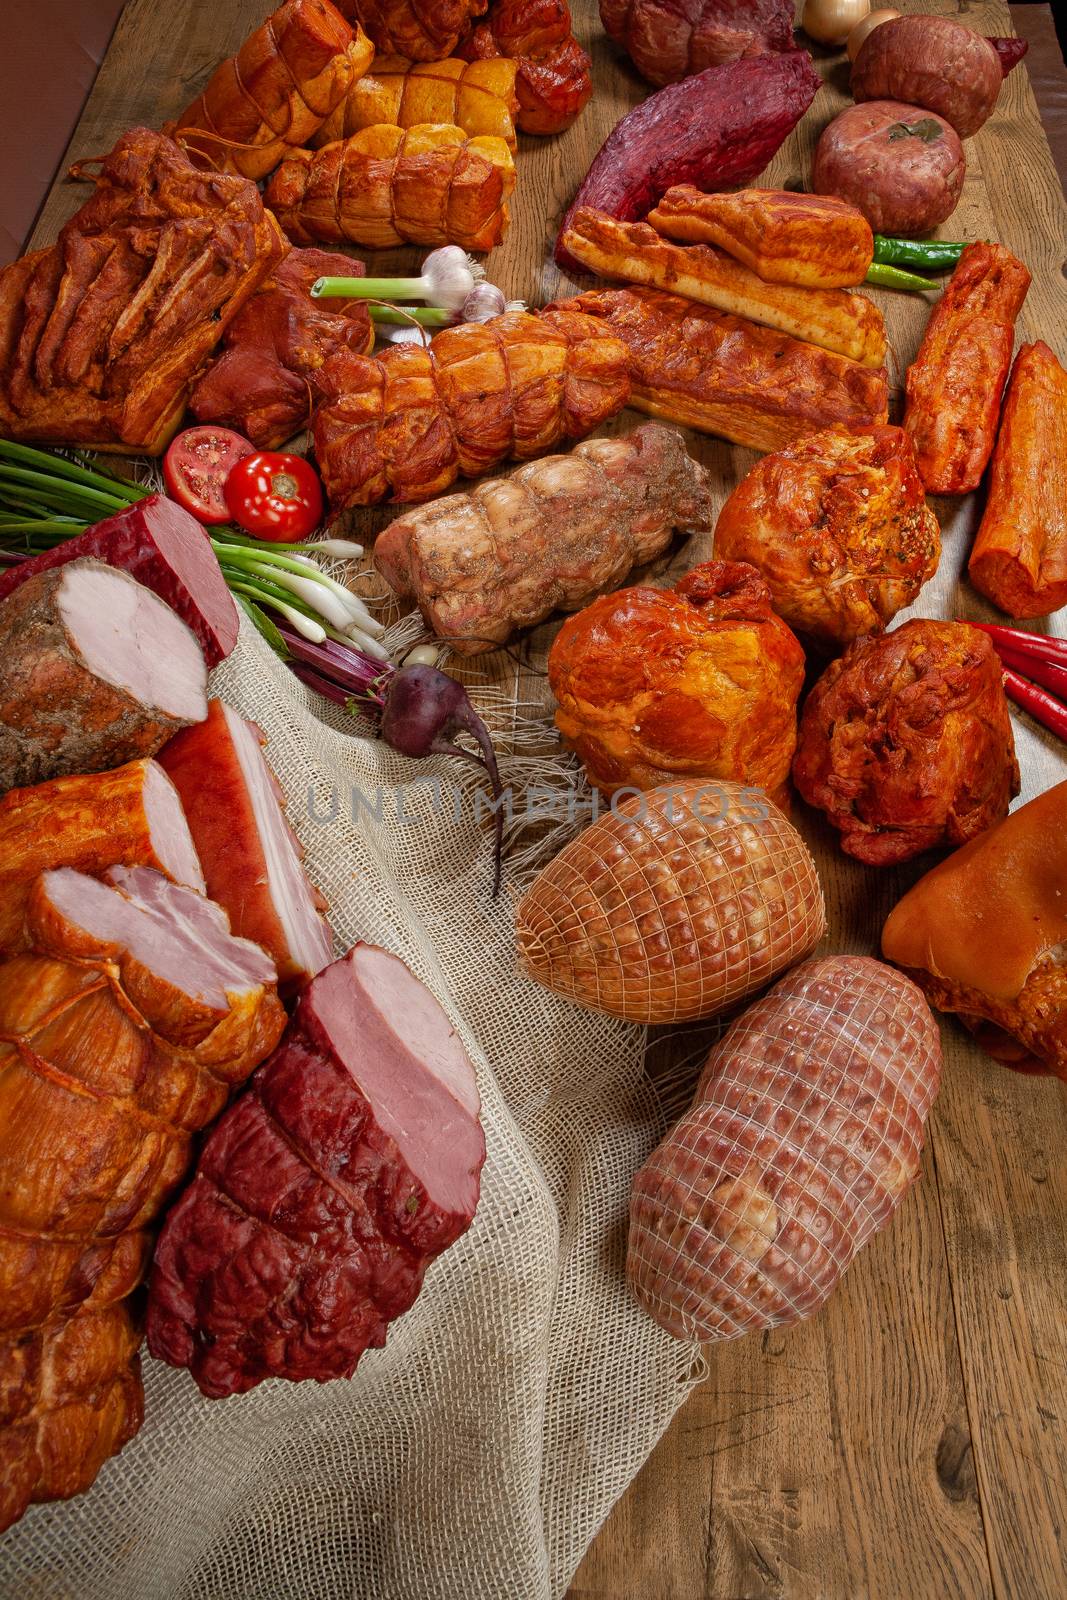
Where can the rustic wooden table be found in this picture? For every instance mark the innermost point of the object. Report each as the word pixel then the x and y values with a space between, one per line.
pixel 910 1440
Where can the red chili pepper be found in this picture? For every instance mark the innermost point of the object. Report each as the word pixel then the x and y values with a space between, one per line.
pixel 1042 706
pixel 1041 645
pixel 1050 675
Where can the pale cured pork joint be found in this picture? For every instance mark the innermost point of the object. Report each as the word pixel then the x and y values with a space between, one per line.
pixel 409 422
pixel 325 1192
pixel 164 548
pixel 503 557
pixel 906 743
pixel 277 91
pixel 130 817
pixel 123 1029
pixel 95 670
pixel 805 1135
pixel 554 78
pixel 477 96
pixel 698 681
pixel 250 856
pixel 679 903
pixel 984 932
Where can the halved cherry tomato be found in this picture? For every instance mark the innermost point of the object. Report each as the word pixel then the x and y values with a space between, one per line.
pixel 196 466
pixel 274 496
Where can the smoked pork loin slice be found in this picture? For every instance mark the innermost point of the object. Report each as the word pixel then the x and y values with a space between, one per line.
pixel 130 817
pixel 95 670
pixel 250 856
pixel 325 1192
pixel 123 1030
pixel 167 550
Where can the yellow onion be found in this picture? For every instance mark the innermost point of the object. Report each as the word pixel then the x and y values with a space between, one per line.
pixel 872 20
pixel 831 21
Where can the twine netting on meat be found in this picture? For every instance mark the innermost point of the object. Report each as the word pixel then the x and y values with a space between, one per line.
pixel 478 1453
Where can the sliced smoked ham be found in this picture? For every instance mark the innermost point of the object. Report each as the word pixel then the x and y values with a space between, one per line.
pixel 129 817
pixel 325 1192
pixel 95 670
pixel 249 854
pixel 122 1032
pixel 167 550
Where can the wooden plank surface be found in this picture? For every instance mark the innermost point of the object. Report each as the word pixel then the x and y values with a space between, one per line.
pixel 910 1440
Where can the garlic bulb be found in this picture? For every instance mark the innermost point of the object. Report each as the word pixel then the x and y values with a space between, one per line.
pixel 872 20
pixel 831 21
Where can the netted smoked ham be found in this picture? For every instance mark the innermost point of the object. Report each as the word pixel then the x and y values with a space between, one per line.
pixel 805 1135
pixel 554 77
pixel 102 334
pixel 130 817
pixel 275 93
pixel 477 96
pixel 410 422
pixel 813 240
pixel 679 903
pixel 386 186
pixel 94 670
pixel 552 535
pixel 724 375
pixel 1019 560
pixel 265 383
pixel 846 323
pixel 164 548
pixel 418 30
pixel 954 385
pixel 326 1191
pixel 122 1032
pixel 668 41
pixel 983 935
pixel 249 855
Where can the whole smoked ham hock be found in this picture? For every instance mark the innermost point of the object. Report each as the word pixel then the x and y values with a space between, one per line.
pixel 724 375
pixel 325 1192
pixel 551 536
pixel 409 422
pixel 250 857
pixel 983 935
pixel 805 1135
pixel 123 1030
pixel 698 681
pixel 95 670
pixel 1019 559
pixel 677 904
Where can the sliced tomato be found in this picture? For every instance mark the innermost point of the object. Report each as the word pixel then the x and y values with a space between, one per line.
pixel 196 467
pixel 276 497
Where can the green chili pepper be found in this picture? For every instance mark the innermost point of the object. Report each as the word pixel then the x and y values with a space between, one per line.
pixel 894 278
pixel 930 255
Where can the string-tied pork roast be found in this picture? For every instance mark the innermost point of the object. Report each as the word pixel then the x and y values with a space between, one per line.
pixel 477 96
pixel 805 1134
pixel 406 424
pixel 550 536
pixel 418 30
pixel 325 1192
pixel 554 75
pixel 123 1029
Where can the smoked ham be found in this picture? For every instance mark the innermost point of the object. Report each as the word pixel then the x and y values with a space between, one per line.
pixel 103 333
pixel 667 41
pixel 275 93
pixel 408 423
pixel 129 817
pixel 724 375
pixel 325 1192
pixel 550 536
pixel 430 185
pixel 418 30
pixel 94 670
pixel 265 383
pixel 123 1030
pixel 954 385
pixel 167 550
pixel 554 76
pixel 477 96
pixel 847 324
pixel 249 854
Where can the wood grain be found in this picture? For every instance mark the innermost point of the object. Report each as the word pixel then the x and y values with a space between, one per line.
pixel 910 1440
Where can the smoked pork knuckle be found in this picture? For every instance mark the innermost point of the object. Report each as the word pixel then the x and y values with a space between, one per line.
pixel 698 681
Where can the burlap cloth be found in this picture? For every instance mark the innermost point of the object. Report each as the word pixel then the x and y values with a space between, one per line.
pixel 479 1452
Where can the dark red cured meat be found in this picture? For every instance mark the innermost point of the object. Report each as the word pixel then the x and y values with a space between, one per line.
pixel 669 39
pixel 324 1193
pixel 716 130
pixel 167 550
pixel 1010 50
